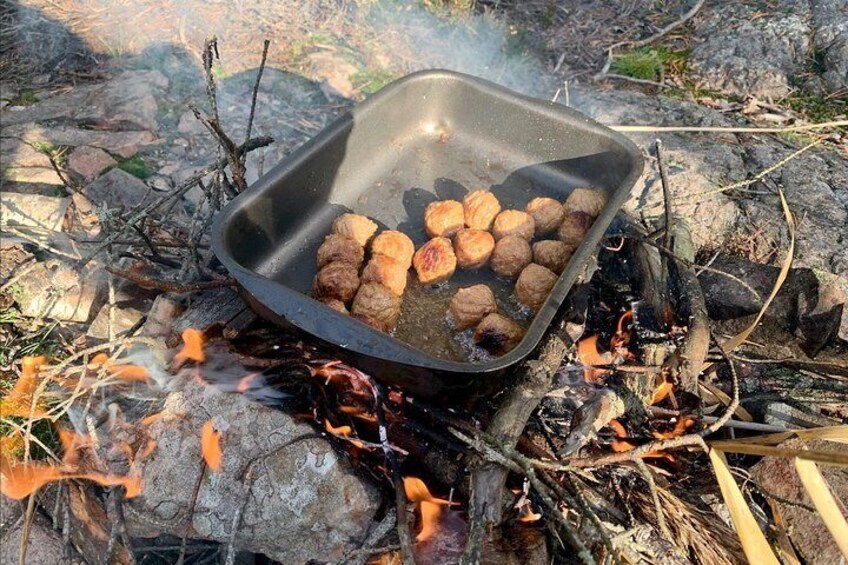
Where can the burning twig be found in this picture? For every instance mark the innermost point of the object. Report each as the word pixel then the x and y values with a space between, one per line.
pixel 115 513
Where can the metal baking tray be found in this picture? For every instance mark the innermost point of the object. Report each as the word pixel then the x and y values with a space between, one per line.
pixel 430 135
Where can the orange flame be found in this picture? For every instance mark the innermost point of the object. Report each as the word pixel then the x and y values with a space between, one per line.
pixel 620 444
pixel 587 352
pixel 19 401
pixel 680 428
pixel 210 446
pixel 130 373
pixel 193 348
pixel 429 506
pixel 622 336
pixel 245 382
pixel 21 480
pixel 527 515
pixel 343 432
pixel 661 392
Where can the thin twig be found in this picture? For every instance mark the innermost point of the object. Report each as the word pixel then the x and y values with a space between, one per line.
pixel 177 192
pixel 666 192
pixel 265 46
pixel 720 129
pixel 655 497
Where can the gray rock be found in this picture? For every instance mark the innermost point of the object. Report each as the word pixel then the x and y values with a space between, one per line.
pixel 190 126
pixel 55 290
pixel 830 20
pixel 24 163
pixel 305 502
pixel 745 52
pixel 88 162
pixel 124 143
pixel 125 317
pixel 44 545
pixel 128 102
pixel 117 189
pixel 34 210
pixel 10 511
pixel 334 72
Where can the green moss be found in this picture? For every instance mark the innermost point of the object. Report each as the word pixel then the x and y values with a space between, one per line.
pixel 136 167
pixel 817 108
pixel 25 98
pixel 649 63
pixel 370 81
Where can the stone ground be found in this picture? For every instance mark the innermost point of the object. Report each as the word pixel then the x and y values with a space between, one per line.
pixel 113 109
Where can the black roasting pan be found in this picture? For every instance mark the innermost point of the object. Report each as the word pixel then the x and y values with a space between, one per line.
pixel 430 135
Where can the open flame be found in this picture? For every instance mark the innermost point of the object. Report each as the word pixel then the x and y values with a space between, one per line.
pixel 19 480
pixel 429 506
pixel 587 352
pixel 20 401
pixel 193 348
pixel 129 373
pixel 210 446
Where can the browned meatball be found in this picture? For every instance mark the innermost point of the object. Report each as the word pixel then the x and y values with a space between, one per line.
pixel 498 334
pixel 443 218
pixel 435 261
pixel 514 222
pixel 376 306
pixel 336 280
pixel 473 248
pixel 575 225
pixel 342 249
pixel 469 305
pixel 396 245
pixel 533 286
pixel 552 254
pixel 586 200
pixel 547 214
pixel 481 207
pixel 386 271
pixel 335 304
pixel 355 226
pixel 510 256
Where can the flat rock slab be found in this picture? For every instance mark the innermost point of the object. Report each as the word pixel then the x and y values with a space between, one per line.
pixel 305 502
pixel 129 101
pixel 117 189
pixel 124 319
pixel 55 290
pixel 123 143
pixel 89 162
pixel 33 210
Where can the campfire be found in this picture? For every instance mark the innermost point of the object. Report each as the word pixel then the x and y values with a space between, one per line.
pixel 614 428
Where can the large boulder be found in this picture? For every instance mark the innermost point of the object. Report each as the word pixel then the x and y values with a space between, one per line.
pixel 304 503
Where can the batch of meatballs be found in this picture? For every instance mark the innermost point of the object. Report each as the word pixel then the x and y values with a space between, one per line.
pixel 468 235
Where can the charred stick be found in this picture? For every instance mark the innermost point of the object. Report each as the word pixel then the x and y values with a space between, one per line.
pixel 509 422
pixel 265 46
pixel 168 286
pixel 178 192
pixel 689 359
pixel 666 195
pixel 115 512
pixel 493 455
